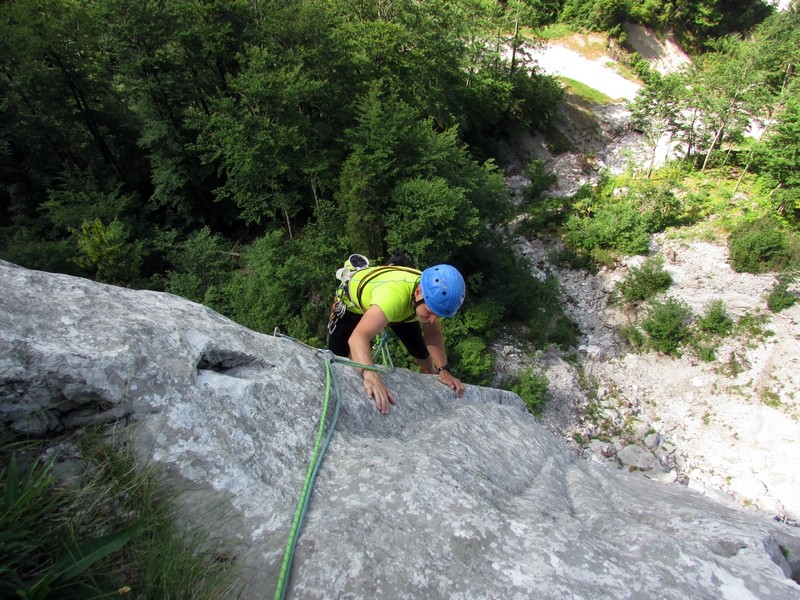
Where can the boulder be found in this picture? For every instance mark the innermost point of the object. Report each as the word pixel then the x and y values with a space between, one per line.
pixel 443 498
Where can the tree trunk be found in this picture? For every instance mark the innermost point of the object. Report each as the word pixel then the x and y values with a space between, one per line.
pixel 750 159
pixel 514 46
pixel 288 224
pixel 717 137
pixel 652 160
pixel 86 113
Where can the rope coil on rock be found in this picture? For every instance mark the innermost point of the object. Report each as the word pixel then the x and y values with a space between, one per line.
pixel 318 451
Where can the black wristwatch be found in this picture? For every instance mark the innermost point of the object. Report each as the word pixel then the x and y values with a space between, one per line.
pixel 444 367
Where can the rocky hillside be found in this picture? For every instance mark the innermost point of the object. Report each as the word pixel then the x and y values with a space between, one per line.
pixel 443 498
pixel 729 427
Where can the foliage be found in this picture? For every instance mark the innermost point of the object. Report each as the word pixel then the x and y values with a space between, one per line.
pixel 106 534
pixel 200 264
pixel 106 251
pixel 539 181
pixel 139 140
pixel 532 386
pixel 27 503
pixel 645 282
pixel 534 99
pixel 278 286
pixel 533 13
pixel 614 226
pixel 781 297
pixel 597 15
pixel 778 159
pixel 621 220
pixel 715 319
pixel 551 324
pixel 656 109
pixel 231 114
pixel 669 328
pixel 667 325
pixel 466 337
pixel 430 219
pixel 633 336
pixel 543 216
pixel 474 360
pixel 757 246
pixel 567 258
pixel 541 212
pixel 693 23
pixel 711 327
pixel 753 327
pixel 24 247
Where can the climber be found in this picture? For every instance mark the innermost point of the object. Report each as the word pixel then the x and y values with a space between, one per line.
pixel 395 296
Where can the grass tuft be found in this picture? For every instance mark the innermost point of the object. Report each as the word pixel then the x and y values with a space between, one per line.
pixel 107 529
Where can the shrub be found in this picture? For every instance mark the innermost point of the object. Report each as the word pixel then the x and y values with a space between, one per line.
pixel 757 246
pixel 567 258
pixel 622 224
pixel 711 327
pixel 201 262
pixel 705 348
pixel 542 214
pixel 753 327
pixel 645 282
pixel 540 180
pixel 474 360
pixel 632 335
pixel 659 206
pixel 716 320
pixel 667 325
pixel 616 226
pixel 106 251
pixel 550 325
pixel 531 386
pixel 780 296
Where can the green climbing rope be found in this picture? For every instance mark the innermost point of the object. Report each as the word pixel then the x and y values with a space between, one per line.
pixel 317 456
pixel 381 348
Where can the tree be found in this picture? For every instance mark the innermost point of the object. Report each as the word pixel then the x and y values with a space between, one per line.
pixel 431 219
pixel 779 159
pixel 170 60
pixel 656 110
pixel 776 45
pixel 66 128
pixel 728 88
pixel 258 135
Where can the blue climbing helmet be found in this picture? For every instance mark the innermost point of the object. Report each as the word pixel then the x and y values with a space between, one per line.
pixel 443 289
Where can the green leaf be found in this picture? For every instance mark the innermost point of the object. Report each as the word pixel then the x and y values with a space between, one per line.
pixel 77 561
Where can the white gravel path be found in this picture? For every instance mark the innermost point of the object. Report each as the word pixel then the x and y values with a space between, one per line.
pixel 558 60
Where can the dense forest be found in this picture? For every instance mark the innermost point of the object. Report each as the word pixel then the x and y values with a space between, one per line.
pixel 235 152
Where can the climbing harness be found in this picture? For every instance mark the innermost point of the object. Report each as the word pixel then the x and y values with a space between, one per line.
pixel 343 298
pixel 321 443
pixel 354 263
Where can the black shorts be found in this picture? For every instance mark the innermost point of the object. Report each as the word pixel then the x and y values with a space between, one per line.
pixel 408 333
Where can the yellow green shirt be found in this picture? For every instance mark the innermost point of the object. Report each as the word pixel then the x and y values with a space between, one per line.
pixel 390 288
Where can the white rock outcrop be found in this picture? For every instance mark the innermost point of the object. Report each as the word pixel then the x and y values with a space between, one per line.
pixel 444 498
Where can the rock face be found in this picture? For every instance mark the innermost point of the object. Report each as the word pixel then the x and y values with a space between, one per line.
pixel 444 498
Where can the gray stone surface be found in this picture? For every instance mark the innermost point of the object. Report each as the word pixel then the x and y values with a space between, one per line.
pixel 637 458
pixel 444 498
